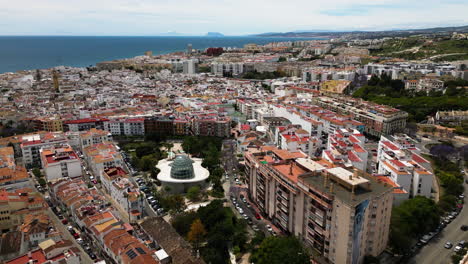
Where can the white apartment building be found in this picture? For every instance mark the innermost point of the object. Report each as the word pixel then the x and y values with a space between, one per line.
pixel 399 159
pixel 101 156
pixel 94 136
pixel 60 161
pixel 31 145
pixel 117 184
pixel 190 66
pixel 126 126
pixel 345 148
pixel 220 69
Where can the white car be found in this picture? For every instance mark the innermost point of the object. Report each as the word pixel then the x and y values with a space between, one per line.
pixel 241 211
pixel 269 228
pixel 457 249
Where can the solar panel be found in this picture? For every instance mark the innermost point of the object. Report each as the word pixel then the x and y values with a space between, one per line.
pixel 131 254
pixel 140 250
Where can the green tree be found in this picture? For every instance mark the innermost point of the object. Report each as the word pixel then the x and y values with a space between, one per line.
pixel 182 222
pixel 193 193
pixel 42 182
pixel 147 163
pixel 37 172
pixel 412 218
pixel 176 203
pixel 275 250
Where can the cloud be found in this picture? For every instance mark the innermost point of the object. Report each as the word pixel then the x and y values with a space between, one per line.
pixel 147 17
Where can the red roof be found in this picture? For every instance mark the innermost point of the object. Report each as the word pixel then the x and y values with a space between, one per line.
pixel 245 127
pixel 353 157
pixel 398 163
pixel 37 255
pixel 419 159
pixel 85 120
pixel 390 145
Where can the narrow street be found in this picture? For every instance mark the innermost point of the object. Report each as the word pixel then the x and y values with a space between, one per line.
pixel 233 189
pixel 66 235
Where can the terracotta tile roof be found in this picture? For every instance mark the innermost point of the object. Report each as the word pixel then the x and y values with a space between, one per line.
pixel 174 245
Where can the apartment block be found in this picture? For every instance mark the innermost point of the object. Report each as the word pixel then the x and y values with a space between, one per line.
pixel 84 124
pixel 31 144
pixel 94 136
pixel 399 159
pixel 103 155
pixel 345 148
pixel 14 205
pixel 12 176
pixel 126 126
pixel 211 126
pixel 342 215
pixel 117 184
pixel 293 138
pixel 60 161
pixel 378 119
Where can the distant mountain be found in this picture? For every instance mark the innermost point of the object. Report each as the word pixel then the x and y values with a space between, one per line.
pixel 214 34
pixel 382 33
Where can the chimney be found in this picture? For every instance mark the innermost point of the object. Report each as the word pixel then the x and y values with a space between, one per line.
pixel 355 173
pixel 29 255
pixel 291 168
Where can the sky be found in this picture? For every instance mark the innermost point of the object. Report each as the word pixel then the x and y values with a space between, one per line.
pixel 239 17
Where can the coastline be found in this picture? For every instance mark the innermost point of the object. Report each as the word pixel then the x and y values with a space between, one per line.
pixel 23 53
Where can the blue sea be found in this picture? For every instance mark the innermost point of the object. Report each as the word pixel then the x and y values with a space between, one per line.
pixel 28 52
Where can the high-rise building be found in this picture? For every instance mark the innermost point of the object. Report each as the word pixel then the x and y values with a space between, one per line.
pixel 189 49
pixel 342 214
pixel 190 67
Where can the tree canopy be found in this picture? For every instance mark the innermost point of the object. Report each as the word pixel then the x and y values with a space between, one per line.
pixel 279 250
pixel 411 219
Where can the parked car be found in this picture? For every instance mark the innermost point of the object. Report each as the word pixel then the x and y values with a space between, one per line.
pixel 255 228
pixel 464 227
pixel 269 228
pixel 241 211
pixel 75 235
pixel 70 228
pixel 92 256
pixel 64 221
pixel 245 216
pixel 448 245
pixel 457 249
pixel 257 216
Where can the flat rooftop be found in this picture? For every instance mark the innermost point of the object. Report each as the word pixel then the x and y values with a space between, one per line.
pixel 362 192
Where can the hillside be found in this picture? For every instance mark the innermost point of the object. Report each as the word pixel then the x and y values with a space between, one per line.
pixel 367 34
pixel 419 48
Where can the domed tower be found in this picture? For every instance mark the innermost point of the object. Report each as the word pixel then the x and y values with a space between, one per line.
pixel 182 168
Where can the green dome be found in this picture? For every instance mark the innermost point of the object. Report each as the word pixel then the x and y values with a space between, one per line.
pixel 182 168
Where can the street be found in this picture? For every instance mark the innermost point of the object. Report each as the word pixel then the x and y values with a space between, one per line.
pixel 434 252
pixel 66 235
pixel 240 189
